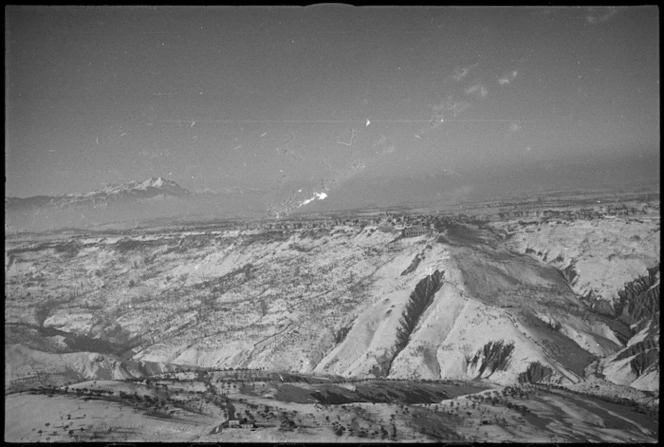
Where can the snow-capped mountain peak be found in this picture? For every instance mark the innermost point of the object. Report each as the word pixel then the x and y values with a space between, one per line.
pixel 154 182
pixel 112 192
pixel 158 183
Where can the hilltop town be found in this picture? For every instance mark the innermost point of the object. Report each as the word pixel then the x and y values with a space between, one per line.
pixel 418 222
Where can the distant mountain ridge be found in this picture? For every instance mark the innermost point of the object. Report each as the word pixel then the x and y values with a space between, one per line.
pixel 113 192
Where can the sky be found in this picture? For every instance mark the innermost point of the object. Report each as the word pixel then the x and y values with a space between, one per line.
pixel 301 102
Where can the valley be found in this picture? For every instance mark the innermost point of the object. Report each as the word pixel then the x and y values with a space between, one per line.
pixel 529 323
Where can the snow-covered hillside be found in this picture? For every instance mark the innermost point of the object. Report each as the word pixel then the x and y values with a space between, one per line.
pixel 603 253
pixel 334 301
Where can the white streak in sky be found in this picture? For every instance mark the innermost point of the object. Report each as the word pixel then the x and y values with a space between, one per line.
pixel 350 143
pixel 462 72
pixel 599 15
pixel 508 78
pixel 317 196
pixel 477 89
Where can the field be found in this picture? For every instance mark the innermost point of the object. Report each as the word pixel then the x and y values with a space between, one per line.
pixel 279 407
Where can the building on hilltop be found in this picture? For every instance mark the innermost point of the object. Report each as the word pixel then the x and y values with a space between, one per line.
pixel 415 231
pixel 239 423
pixel 247 424
pixel 231 423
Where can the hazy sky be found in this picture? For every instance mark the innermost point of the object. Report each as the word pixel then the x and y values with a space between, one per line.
pixel 292 100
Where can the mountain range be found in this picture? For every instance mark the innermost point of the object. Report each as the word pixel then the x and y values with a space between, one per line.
pixel 114 192
pixel 435 188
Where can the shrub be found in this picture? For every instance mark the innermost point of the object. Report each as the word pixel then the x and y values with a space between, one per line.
pixel 535 373
pixel 493 356
pixel 419 301
pixel 340 335
pixel 639 298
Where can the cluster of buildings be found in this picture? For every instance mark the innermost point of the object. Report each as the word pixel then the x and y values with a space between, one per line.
pixel 409 225
pixel 416 231
pixel 292 225
pixel 239 423
pixel 571 213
